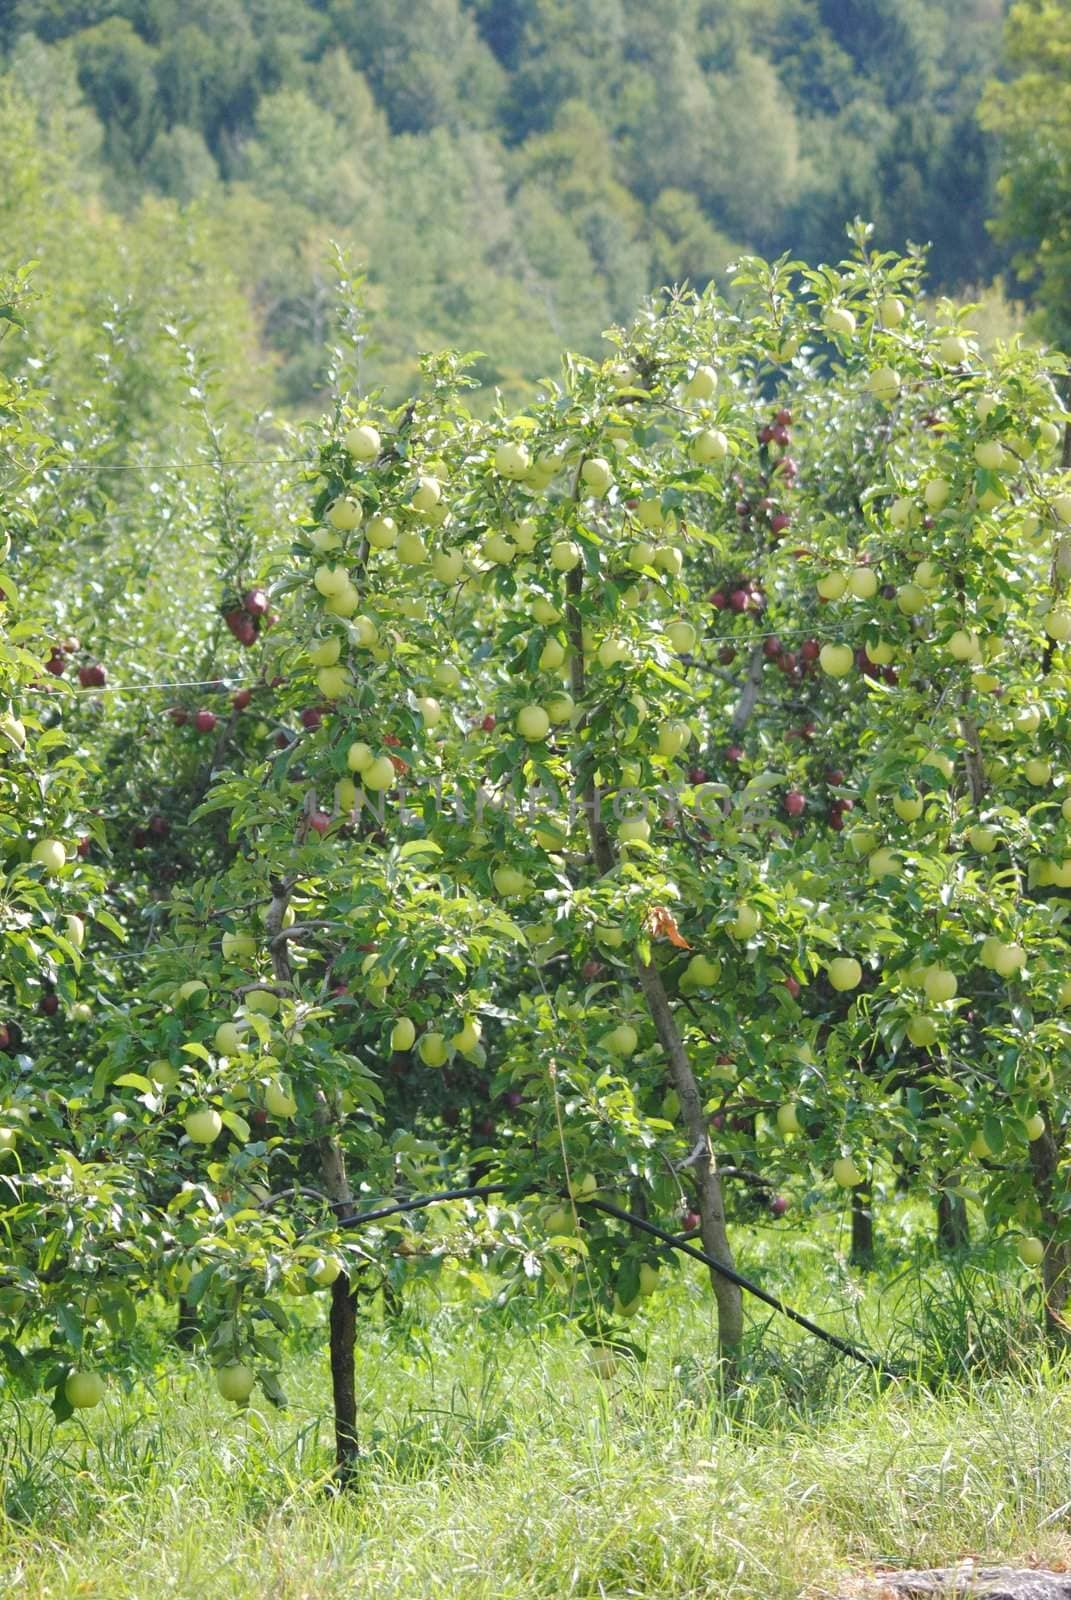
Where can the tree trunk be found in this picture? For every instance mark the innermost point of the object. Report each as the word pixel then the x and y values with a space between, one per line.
pixel 713 1231
pixel 188 1324
pixel 862 1227
pixel 952 1231
pixel 343 1322
pixel 1056 1264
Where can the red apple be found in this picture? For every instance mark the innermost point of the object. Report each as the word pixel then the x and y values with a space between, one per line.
pixel 488 724
pixel 205 721
pixel 718 599
pixel 780 523
pixel 255 602
pixel 48 1005
pixel 792 986
pixel 92 676
pixel 810 650
pixel 771 647
pixel 795 803
pixel 179 716
pixel 56 664
pixel 241 698
pixel 319 821
pixel 778 1205
pixel 726 654
pixel 734 753
pixel 159 826
pixel 312 717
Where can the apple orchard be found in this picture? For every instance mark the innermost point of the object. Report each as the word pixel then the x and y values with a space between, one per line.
pixel 671 779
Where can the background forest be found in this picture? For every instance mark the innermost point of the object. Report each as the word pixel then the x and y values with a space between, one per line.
pixel 527 168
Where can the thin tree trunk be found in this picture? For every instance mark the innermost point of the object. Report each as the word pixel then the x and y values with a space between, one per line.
pixel 952 1231
pixel 343 1321
pixel 188 1324
pixel 1056 1263
pixel 862 1227
pixel 713 1231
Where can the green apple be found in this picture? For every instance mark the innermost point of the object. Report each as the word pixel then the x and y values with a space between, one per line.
pixel 964 646
pixel 326 653
pixel 788 1119
pixel 648 1279
pixel 426 495
pixel 203 1126
pixel 362 441
pixel 330 581
pixel 512 460
pixel 325 1274
pixel 551 656
pixel 832 585
pixel 583 1186
pixel 560 707
pixel 922 1031
pixel 163 1074
pixel 844 973
pixel 937 759
pixel 596 475
pixel 908 805
pixel 902 511
pixel 701 385
pixel 565 554
pixel 673 737
pixel 990 455
pixel 939 985
pixel 836 659
pixel 278 1100
pixel 953 350
pixel 430 710
pixel 911 599
pixel 863 583
pixel 49 854
pixel 612 652
pixel 75 929
pixel 447 676
pixel 509 882
pixel 447 565
pixel 81 1011
pixel 884 864
pixel 840 322
pixel 497 548
pixel 262 1001
pixel 343 602
pixel 669 560
pixel 345 514
pixel 1037 772
pixel 936 493
pixel 228 1039
pixel 433 1049
pixel 333 682
pixel 641 554
pixel 187 990
pixel 379 774
pixel 634 830
pixel 708 445
pixel 682 637
pixel 467 1038
pixel 891 311
pixel 359 757
pixel 533 723
pixel 235 1382
pixel 382 533
pixel 1031 1251
pixel 403 1034
pixel 884 384
pixel 746 923
pixel 84 1390
pixel 702 972
pixel 862 841
pixel 1058 623
pixel 544 611
pixel 984 840
pixel 621 1041
pixel 559 1222
pixel 846 1173
pixel 1034 1127
pixel 412 551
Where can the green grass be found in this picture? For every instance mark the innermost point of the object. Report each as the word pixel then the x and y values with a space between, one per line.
pixel 498 1465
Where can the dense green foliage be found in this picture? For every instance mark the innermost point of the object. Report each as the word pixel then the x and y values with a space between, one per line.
pixel 514 173
pixel 1031 111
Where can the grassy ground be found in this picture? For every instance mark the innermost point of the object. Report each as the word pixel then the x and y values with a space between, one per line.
pixel 500 1466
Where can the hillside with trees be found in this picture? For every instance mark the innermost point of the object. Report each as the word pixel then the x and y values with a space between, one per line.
pixel 512 174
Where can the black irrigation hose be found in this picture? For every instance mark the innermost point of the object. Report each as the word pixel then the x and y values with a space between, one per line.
pixel 671 1241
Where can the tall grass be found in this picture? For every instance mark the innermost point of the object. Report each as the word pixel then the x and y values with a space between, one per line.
pixel 498 1464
